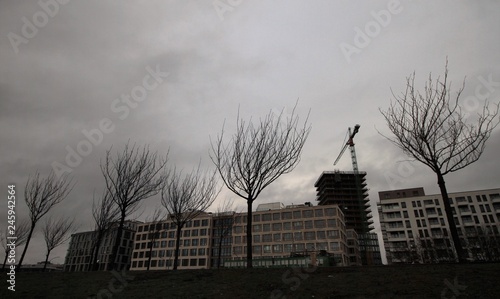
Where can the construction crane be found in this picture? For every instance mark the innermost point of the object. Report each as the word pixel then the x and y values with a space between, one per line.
pixel 350 143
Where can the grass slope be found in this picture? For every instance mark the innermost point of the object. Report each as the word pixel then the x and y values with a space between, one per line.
pixel 411 281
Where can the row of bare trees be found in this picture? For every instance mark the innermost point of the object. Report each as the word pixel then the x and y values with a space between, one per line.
pixel 429 126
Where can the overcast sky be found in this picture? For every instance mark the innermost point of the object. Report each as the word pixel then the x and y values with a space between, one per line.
pixel 72 68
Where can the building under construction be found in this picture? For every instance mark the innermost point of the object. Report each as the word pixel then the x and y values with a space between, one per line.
pixel 348 190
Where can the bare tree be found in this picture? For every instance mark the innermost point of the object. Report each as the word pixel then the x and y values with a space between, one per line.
pixel 22 230
pixel 105 214
pixel 132 176
pixel 223 225
pixel 185 197
pixel 55 233
pixel 432 128
pixel 155 226
pixel 40 196
pixel 258 155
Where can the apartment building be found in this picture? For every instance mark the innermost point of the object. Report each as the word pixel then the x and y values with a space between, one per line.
pixel 79 254
pixel 415 228
pixel 158 252
pixel 280 232
pixel 348 190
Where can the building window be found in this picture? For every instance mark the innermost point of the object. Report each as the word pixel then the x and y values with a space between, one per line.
pixel 310 236
pixel 321 234
pixel 276 216
pixel 267 248
pixel 307 213
pixel 267 238
pixel 403 205
pixel 266 217
pixel 309 224
pixel 256 218
pixel 297 225
pixel 266 227
pixel 318 213
pixel 278 248
pixel 277 237
pixel 296 215
pixel 287 226
pixel 277 226
pixel 330 212
pixel 319 223
pixel 204 222
pixel 286 215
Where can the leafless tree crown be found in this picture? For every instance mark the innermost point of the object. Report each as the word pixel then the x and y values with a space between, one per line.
pixel 132 176
pixel 186 196
pixel 257 155
pixel 432 127
pixel 56 232
pixel 42 194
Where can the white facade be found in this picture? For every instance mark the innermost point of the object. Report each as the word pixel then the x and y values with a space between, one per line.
pixel 415 228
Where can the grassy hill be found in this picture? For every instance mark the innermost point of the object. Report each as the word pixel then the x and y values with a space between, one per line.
pixel 411 281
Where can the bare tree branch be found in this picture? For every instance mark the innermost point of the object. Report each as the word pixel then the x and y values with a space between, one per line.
pixel 130 177
pixel 432 128
pixel 155 226
pixel 40 196
pixel 223 224
pixel 22 231
pixel 186 196
pixel 258 155
pixel 55 233
pixel 105 214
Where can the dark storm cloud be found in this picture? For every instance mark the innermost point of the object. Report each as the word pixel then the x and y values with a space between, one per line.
pixel 258 57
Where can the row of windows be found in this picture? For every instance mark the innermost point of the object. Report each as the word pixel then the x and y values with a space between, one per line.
pixel 276 216
pixel 171 225
pixel 297 236
pixel 171 234
pixel 170 253
pixel 171 243
pixel 295 225
pixel 169 263
pixel 291 247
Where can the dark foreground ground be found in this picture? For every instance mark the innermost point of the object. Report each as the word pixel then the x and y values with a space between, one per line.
pixel 412 281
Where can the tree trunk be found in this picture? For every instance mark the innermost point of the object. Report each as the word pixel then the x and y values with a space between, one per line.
pixel 26 246
pixel 177 245
pixel 112 264
pixel 5 259
pixel 249 233
pixel 451 221
pixel 220 245
pixel 153 239
pixel 95 264
pixel 46 261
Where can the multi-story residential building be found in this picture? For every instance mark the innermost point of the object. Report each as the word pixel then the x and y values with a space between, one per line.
pixel 194 250
pixel 348 190
pixel 353 248
pixel 415 228
pixel 278 232
pixel 79 252
pixel 295 229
